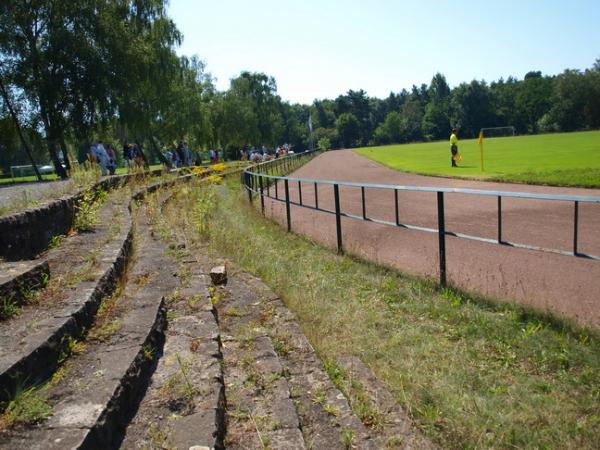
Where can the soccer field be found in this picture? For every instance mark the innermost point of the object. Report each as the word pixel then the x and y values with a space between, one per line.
pixel 562 159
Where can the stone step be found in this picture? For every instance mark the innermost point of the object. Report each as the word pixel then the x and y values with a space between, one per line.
pixel 31 343
pixel 85 268
pixel 19 282
pixel 184 404
pixel 326 417
pixel 100 389
pixel 23 235
pixel 397 429
pixel 260 409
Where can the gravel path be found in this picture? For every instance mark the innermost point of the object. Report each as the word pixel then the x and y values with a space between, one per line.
pixel 564 285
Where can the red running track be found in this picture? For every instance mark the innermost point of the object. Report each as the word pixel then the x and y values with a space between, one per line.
pixel 564 285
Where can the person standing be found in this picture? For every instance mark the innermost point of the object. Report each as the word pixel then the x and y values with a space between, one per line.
pixel 112 158
pixel 453 147
pixel 102 158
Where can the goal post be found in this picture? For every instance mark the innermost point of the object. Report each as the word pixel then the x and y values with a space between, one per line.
pixel 491 132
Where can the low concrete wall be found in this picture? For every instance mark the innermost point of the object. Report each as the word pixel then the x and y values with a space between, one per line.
pixel 26 234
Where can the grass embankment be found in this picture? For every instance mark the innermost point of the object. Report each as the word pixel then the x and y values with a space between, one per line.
pixel 471 373
pixel 561 159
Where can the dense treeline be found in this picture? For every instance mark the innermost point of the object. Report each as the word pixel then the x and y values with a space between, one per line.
pixel 74 71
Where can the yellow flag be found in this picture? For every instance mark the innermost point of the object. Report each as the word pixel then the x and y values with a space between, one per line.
pixel 480 141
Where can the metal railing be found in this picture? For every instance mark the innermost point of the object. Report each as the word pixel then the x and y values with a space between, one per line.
pixel 264 178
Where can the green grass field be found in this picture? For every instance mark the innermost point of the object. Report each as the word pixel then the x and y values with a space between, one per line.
pixel 561 159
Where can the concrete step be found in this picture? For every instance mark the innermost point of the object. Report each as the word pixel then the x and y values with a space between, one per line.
pixel 260 409
pixel 184 404
pixel 98 393
pixel 86 268
pixel 20 282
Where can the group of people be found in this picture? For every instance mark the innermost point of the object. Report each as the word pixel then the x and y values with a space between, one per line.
pixel 259 155
pixel 214 156
pixel 105 155
pixel 181 156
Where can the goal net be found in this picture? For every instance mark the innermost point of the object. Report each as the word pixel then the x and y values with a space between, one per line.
pixel 491 132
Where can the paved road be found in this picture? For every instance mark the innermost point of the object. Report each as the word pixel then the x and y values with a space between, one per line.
pixel 565 285
pixel 28 192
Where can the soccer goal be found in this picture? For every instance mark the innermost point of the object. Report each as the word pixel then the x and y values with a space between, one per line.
pixel 491 132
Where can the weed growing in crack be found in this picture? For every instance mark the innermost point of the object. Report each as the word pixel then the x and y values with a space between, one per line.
pixel 86 212
pixel 281 345
pixel 8 308
pixel 148 352
pixel 55 241
pixel 69 346
pixel 158 438
pixel 194 300
pixel 348 438
pixel 234 312
pixel 178 390
pixel 28 406
pixel 358 398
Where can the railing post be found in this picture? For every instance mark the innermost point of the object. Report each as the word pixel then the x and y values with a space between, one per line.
pixel 262 197
pixel 575 227
pixel 248 187
pixel 316 197
pixel 338 218
pixel 364 208
pixel 287 205
pixel 397 207
pixel 499 219
pixel 442 238
pixel 300 192
pixel 276 190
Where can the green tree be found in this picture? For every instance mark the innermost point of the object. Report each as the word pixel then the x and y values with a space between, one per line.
pixel 436 120
pixel 411 118
pixel 471 108
pixel 251 112
pixel 72 82
pixel 348 129
pixel 356 103
pixel 324 143
pixel 533 99
pixel 389 131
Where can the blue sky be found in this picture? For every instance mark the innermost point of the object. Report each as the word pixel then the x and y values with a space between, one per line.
pixel 321 49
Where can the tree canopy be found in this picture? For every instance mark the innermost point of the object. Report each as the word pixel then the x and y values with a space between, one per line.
pixel 76 71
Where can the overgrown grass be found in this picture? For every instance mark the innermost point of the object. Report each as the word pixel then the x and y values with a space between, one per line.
pixel 561 159
pixel 472 373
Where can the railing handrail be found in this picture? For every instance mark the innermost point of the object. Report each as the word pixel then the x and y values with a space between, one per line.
pixel 529 195
pixel 254 176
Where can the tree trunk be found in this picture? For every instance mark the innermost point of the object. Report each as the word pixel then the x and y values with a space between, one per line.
pixel 53 150
pixel 18 126
pixel 159 154
pixel 63 146
pixel 140 149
